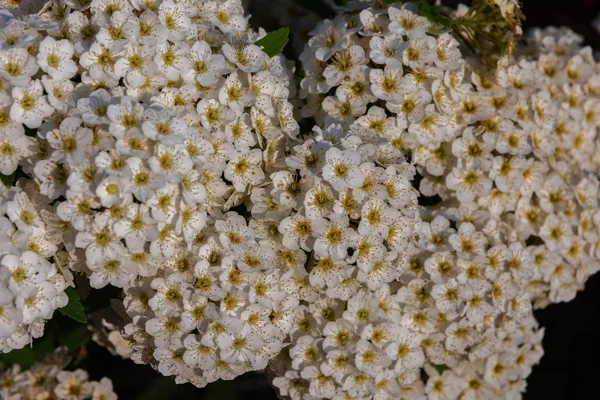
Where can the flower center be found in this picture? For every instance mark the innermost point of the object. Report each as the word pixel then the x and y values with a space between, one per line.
pixel 28 102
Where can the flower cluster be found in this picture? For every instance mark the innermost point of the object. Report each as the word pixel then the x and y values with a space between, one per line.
pixel 507 158
pixel 558 206
pixel 234 301
pixel 158 152
pixel 31 285
pixel 48 379
pixel 141 125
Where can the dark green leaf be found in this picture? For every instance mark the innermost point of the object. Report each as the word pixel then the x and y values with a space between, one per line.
pixel 274 42
pixel 8 180
pixel 74 309
pixel 389 2
pixel 440 368
pixel 433 13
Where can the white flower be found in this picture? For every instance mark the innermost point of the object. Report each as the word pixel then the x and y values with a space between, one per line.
pixel 205 66
pixel 412 104
pixel 443 386
pixel 213 115
pixel 164 203
pixel 12 151
pixel 100 243
pixel 17 66
pixel 405 350
pixel 557 234
pixel 244 169
pixel 388 84
pixel 136 65
pixel 287 121
pixel 199 354
pixel 161 125
pixel 387 50
pixel 175 18
pixel 468 184
pixel 248 58
pixel 54 57
pixel 166 332
pixel 330 38
pixel 94 107
pixel 342 169
pixel 103 390
pixel 473 152
pixel 242 348
pixel 376 217
pixel 507 173
pixel 26 272
pixel 419 52
pixel 99 61
pixel 30 106
pixel 125 118
pixel 349 65
pixel 468 242
pixel 111 269
pixel 447 52
pixel 321 386
pixel 172 162
pixel 405 22
pixel 228 16
pixel 328 272
pixel 234 95
pixel 77 379
pixel 305 352
pixel 334 237
pixel 297 232
pixel 71 141
pixel 171 58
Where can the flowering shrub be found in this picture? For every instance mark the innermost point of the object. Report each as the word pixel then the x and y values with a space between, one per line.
pixel 48 379
pixel 178 118
pixel 31 287
pixel 154 147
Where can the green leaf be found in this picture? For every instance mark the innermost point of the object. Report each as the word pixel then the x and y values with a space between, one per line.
pixel 434 14
pixel 74 309
pixel 390 2
pixel 274 42
pixel 8 180
pixel 440 368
